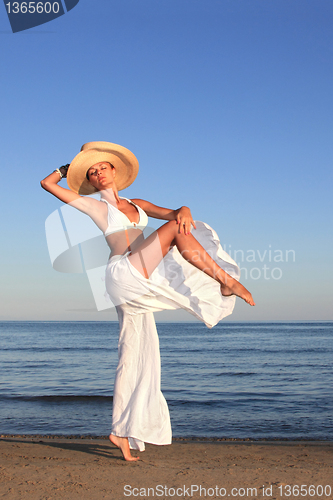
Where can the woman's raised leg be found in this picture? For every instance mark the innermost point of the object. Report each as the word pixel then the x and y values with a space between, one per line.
pixel 147 257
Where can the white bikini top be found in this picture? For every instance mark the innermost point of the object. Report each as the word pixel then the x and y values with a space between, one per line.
pixel 118 221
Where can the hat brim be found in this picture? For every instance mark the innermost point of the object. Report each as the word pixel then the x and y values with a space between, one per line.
pixel 122 159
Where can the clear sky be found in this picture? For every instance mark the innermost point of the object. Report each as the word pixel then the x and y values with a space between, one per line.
pixel 228 106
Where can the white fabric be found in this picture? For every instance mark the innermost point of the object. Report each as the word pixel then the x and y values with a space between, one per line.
pixel 139 409
pixel 118 221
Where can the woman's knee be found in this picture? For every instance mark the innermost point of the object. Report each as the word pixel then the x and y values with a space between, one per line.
pixel 170 228
pixel 168 232
pixel 172 225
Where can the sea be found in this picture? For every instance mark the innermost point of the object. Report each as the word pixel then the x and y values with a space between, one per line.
pixel 260 381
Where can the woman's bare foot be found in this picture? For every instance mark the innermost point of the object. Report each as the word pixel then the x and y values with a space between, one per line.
pixel 123 445
pixel 238 289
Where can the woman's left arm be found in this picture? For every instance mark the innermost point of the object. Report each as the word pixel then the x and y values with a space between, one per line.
pixel 182 215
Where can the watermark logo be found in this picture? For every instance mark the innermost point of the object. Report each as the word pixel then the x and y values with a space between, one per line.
pixel 76 245
pixel 25 15
pixel 253 263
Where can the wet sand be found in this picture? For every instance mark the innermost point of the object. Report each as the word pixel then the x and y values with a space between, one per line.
pixel 35 467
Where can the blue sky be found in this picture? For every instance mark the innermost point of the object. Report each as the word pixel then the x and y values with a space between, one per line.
pixel 227 105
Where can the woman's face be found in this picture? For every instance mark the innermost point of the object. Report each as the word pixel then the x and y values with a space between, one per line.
pixel 101 175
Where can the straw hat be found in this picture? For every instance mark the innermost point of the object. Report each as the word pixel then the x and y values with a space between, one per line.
pixel 123 160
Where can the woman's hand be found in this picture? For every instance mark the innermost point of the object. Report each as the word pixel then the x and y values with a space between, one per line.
pixel 63 170
pixel 185 220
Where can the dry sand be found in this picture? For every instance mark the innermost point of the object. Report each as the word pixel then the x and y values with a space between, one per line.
pixel 65 468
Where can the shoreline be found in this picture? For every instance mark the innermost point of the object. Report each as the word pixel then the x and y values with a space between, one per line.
pixel 179 439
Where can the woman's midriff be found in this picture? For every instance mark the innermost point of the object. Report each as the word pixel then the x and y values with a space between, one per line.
pixel 122 242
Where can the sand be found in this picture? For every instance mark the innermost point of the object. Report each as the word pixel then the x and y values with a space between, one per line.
pixel 35 467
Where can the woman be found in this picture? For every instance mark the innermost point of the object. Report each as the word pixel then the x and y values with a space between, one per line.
pixel 170 269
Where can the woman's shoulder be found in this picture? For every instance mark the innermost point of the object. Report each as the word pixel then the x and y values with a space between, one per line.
pixel 140 203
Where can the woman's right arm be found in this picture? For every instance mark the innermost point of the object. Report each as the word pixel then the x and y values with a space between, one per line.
pixel 182 215
pixel 84 204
